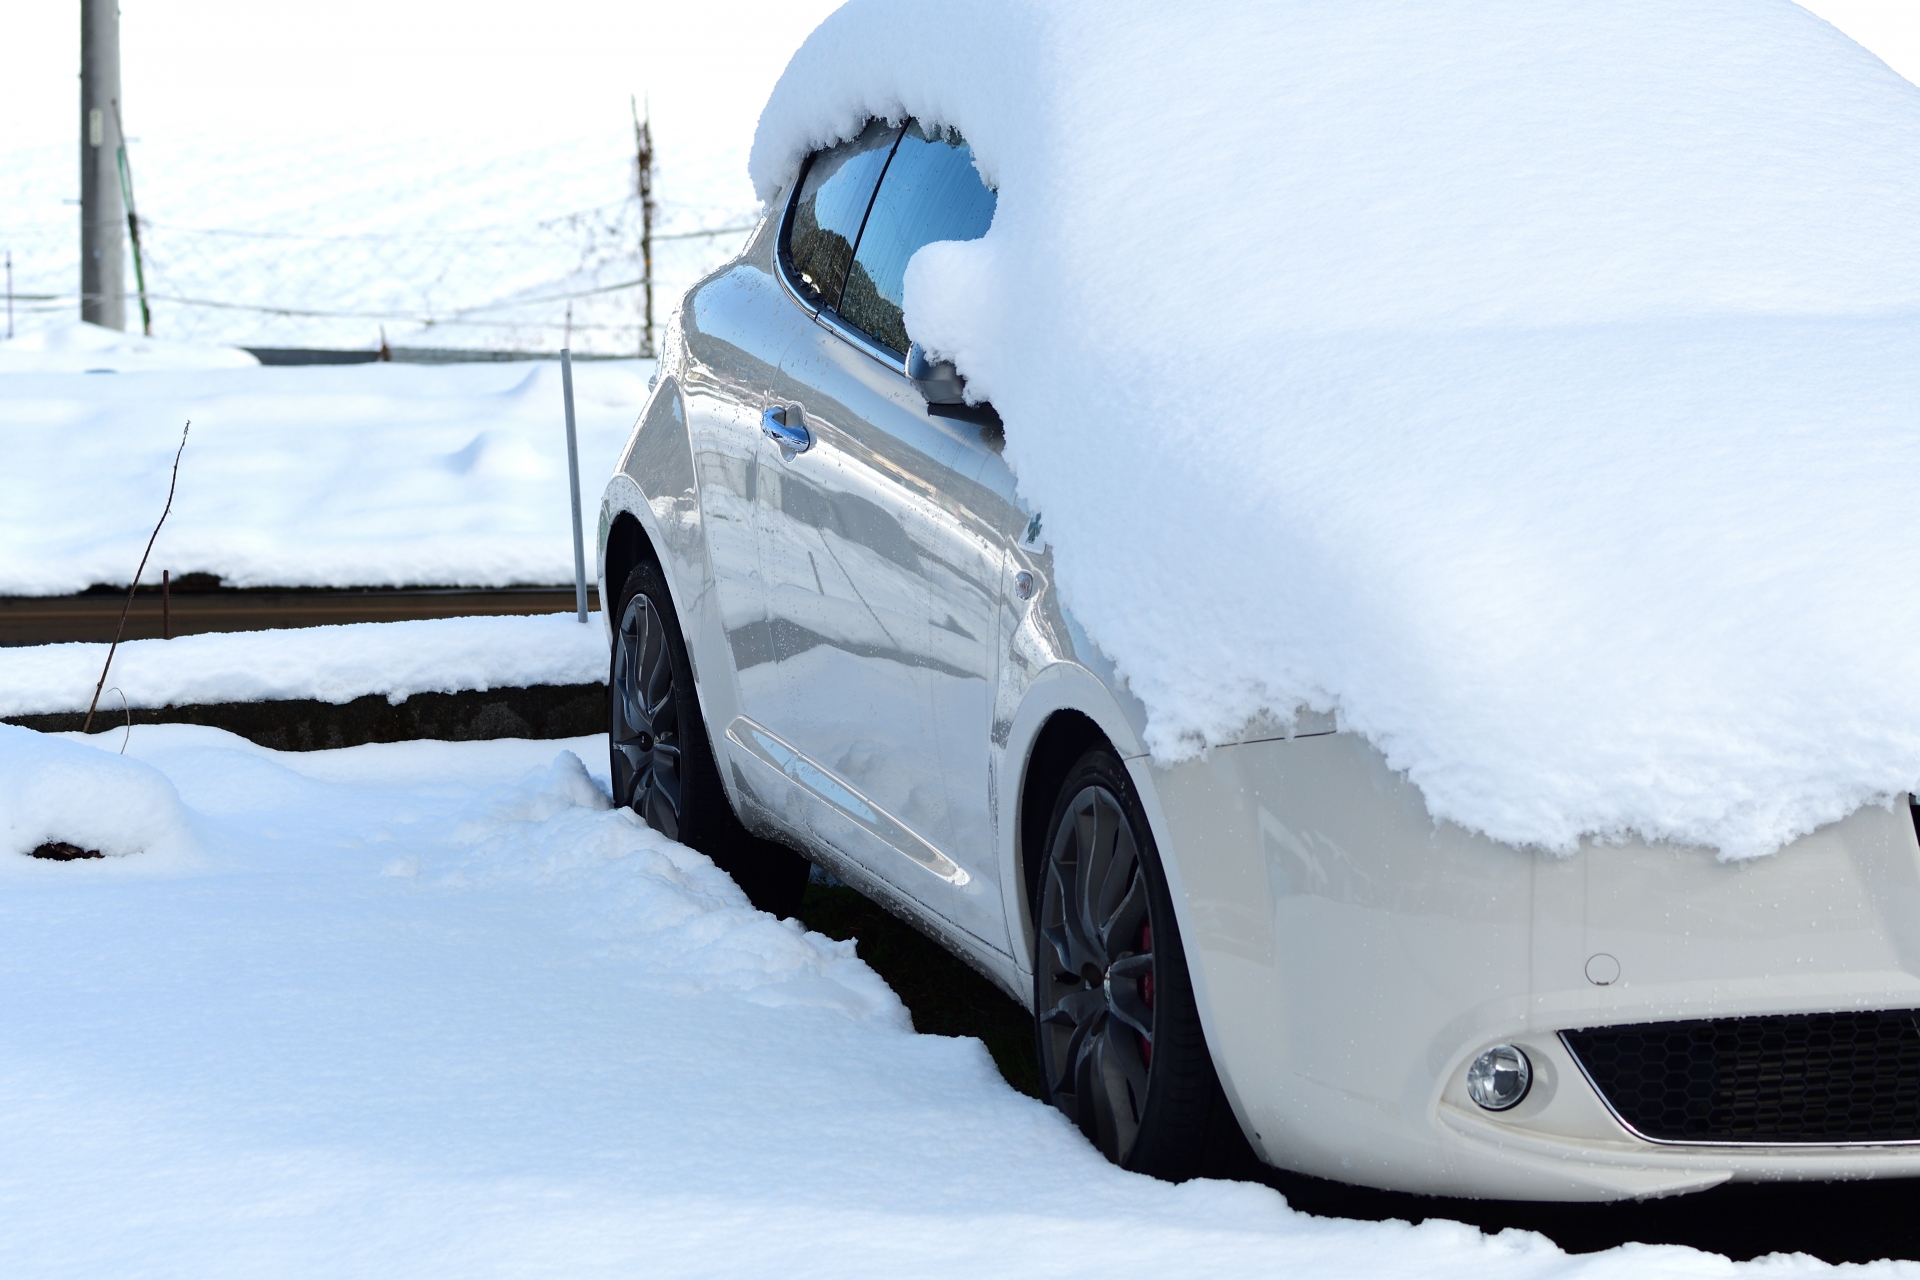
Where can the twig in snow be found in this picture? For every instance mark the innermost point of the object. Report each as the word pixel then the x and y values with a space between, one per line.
pixel 129 713
pixel 121 629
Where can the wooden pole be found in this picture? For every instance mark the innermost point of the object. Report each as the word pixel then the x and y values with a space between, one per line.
pixel 643 155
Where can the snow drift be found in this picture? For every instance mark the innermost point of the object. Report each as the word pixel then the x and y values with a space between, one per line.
pixel 80 347
pixel 52 790
pixel 1535 386
pixel 343 475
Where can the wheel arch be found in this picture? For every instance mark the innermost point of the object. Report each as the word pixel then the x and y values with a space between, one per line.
pixel 627 547
pixel 1066 710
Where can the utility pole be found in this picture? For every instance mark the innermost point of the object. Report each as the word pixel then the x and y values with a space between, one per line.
pixel 643 154
pixel 103 272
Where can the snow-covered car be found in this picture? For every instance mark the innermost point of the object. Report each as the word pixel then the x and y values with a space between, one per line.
pixel 1448 443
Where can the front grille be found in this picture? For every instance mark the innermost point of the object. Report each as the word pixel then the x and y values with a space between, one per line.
pixel 1794 1078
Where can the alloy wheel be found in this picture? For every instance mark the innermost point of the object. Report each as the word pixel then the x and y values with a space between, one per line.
pixel 1096 991
pixel 645 720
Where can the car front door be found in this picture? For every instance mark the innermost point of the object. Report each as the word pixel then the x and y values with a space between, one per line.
pixel 882 597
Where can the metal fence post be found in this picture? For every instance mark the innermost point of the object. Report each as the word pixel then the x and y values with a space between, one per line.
pixel 573 481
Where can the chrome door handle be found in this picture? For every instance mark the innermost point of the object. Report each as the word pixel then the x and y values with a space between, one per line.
pixel 793 437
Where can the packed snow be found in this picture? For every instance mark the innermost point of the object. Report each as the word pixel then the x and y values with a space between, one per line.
pixel 327 664
pixel 431 1009
pixel 1532 385
pixel 350 475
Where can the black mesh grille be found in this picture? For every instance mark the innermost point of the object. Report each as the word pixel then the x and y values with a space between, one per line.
pixel 1807 1077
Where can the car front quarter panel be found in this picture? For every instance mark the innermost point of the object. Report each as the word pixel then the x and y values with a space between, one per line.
pixel 1353 956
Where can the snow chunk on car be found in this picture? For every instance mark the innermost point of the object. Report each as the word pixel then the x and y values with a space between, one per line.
pixel 1535 386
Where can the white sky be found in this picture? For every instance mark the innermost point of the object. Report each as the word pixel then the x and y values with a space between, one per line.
pixel 427 69
pixel 300 117
pixel 196 72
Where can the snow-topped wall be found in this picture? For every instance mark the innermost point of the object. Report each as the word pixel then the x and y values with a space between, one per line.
pixel 1538 386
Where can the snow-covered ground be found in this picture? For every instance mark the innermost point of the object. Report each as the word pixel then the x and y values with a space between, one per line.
pixel 74 347
pixel 351 475
pixel 327 664
pixel 429 1009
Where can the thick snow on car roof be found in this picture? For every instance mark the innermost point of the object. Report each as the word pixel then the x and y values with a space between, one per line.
pixel 1537 386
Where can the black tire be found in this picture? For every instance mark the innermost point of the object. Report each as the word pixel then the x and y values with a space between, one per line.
pixel 1120 1047
pixel 663 764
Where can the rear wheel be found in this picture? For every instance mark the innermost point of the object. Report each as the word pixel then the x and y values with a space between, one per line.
pixel 1120 1046
pixel 663 764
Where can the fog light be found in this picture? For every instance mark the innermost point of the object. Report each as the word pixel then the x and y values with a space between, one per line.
pixel 1498 1078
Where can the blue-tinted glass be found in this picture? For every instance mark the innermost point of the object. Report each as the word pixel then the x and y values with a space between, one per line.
pixel 931 192
pixel 833 200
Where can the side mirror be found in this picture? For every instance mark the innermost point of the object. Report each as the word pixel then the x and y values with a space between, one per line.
pixel 938 380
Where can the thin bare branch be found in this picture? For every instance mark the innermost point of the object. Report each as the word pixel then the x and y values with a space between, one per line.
pixel 121 629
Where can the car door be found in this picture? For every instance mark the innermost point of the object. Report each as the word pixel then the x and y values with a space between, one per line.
pixel 882 600
pixel 736 328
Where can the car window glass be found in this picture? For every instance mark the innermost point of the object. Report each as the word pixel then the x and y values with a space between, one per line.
pixel 931 192
pixel 833 202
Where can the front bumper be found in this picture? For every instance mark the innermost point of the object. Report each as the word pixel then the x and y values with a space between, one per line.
pixel 1352 956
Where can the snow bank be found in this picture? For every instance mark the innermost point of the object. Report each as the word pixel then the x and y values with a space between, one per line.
pixel 1533 385
pixel 327 664
pixel 64 792
pixel 358 475
pixel 79 347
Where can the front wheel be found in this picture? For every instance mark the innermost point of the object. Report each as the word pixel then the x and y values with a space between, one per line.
pixel 663 764
pixel 1120 1046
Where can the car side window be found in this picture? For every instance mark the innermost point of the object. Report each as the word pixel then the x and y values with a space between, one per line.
pixel 930 192
pixel 832 205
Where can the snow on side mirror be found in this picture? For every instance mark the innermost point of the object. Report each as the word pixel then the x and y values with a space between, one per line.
pixel 938 380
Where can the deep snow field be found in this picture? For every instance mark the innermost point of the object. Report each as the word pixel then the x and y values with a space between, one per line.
pixel 429 1009
pixel 345 475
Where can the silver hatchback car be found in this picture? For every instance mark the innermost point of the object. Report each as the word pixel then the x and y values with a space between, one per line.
pixel 835 630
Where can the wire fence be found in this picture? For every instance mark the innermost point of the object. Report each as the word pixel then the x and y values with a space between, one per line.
pixel 575 279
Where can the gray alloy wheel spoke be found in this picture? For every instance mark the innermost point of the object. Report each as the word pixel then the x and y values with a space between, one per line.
pixel 1121 933
pixel 1096 839
pixel 1122 1056
pixel 1110 1095
pixel 1087 1085
pixel 1055 936
pixel 667 783
pixel 1078 1007
pixel 1071 1058
pixel 1117 875
pixel 1082 951
pixel 660 814
pixel 1127 1007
